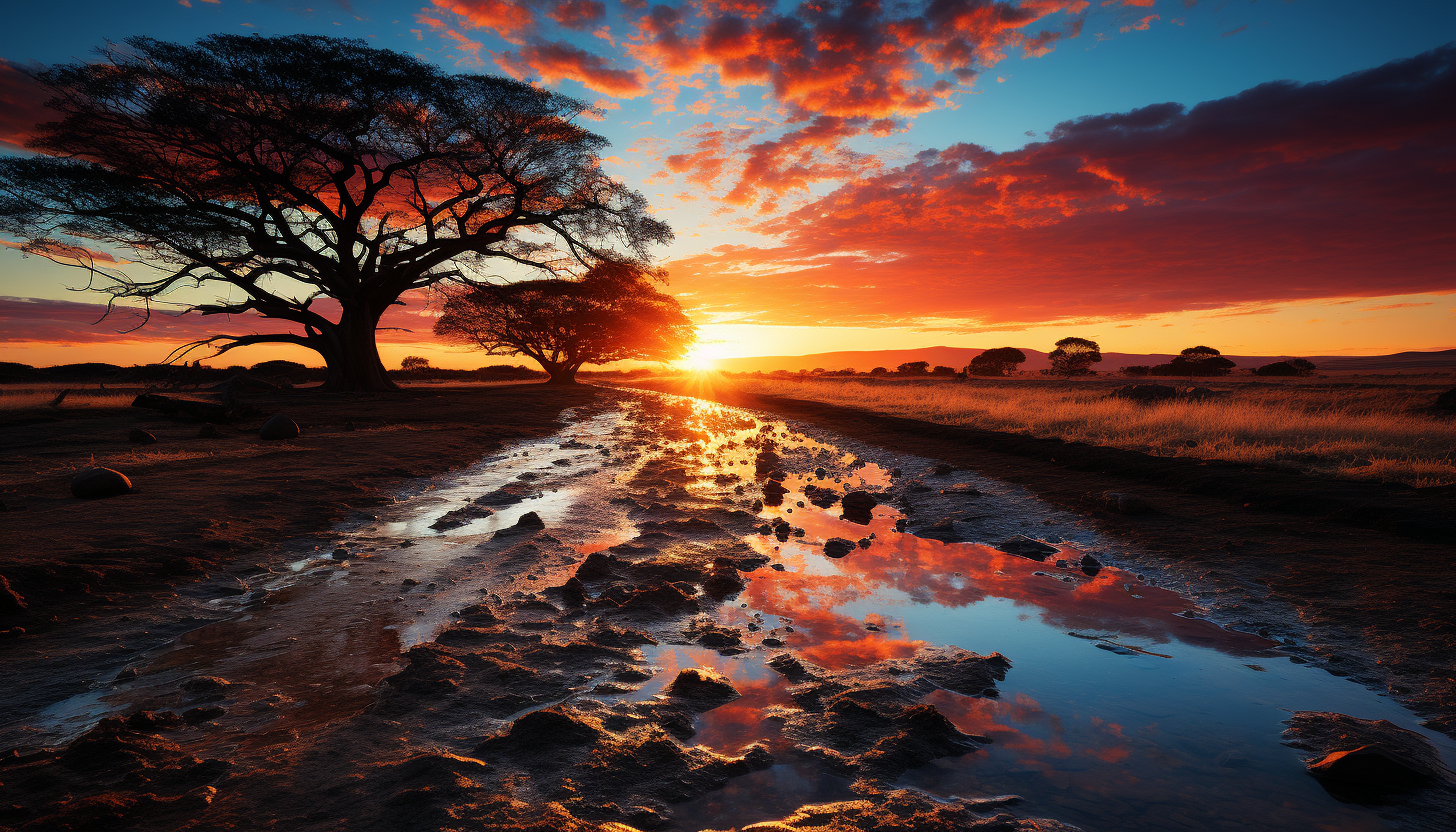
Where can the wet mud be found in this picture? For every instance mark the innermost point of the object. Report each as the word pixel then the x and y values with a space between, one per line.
pixel 677 615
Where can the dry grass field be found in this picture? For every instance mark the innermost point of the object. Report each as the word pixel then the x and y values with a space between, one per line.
pixel 1355 428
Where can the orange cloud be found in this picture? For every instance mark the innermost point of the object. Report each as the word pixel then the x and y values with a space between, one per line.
pixel 507 19
pixel 555 62
pixel 1285 191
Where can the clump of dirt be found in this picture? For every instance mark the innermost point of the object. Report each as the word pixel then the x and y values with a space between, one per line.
pixel 121 772
pixel 868 720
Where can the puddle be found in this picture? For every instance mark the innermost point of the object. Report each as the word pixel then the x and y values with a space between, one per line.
pixel 1124 707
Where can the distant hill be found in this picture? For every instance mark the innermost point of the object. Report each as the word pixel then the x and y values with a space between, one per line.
pixel 958 357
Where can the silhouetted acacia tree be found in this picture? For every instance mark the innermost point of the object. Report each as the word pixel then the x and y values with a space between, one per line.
pixel 287 169
pixel 611 314
pixel 996 362
pixel 913 368
pixel 1074 356
pixel 1200 361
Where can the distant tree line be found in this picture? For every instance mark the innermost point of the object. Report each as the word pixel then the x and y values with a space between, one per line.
pixel 1069 357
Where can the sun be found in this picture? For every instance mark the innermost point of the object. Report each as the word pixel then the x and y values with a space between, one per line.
pixel 698 360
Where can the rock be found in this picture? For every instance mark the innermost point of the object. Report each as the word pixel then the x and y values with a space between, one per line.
pixel 546 730
pixel 1447 400
pixel 838 547
pixel 1023 546
pixel 859 507
pixel 942 469
pixel 943 530
pixel 209 431
pixel 702 686
pixel 573 594
pixel 279 427
pixel 773 493
pixel 1090 566
pixel 1120 502
pixel 895 472
pixel 1370 761
pixel 1198 394
pixel 137 436
pixel 820 473
pixel 97 483
pixel 864 543
pixel 529 523
pixel 1146 393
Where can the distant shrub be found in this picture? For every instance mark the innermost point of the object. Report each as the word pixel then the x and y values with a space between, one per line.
pixel 879 371
pixel 414 364
pixel 913 368
pixel 942 370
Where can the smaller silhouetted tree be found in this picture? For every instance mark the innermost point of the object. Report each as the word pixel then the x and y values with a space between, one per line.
pixel 414 363
pixel 942 370
pixel 913 368
pixel 879 371
pixel 1289 367
pixel 1074 357
pixel 997 362
pixel 1200 361
pixel 611 314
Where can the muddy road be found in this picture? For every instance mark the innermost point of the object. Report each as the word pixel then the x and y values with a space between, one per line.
pixel 679 615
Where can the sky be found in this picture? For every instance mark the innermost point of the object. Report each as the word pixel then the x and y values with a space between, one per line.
pixel 1269 178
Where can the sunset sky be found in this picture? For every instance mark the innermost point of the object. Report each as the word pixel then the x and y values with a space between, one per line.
pixel 1265 177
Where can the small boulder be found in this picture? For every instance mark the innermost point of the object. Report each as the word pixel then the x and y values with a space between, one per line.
pixel 97 483
pixel 859 506
pixel 209 431
pixel 702 686
pixel 1447 400
pixel 279 427
pixel 1023 546
pixel 1372 761
pixel 942 469
pixel 137 436
pixel 838 547
pixel 529 523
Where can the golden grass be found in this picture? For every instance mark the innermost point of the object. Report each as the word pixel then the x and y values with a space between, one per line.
pixel 1366 434
pixel 32 397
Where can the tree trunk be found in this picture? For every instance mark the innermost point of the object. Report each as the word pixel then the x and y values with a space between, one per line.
pixel 353 357
pixel 561 374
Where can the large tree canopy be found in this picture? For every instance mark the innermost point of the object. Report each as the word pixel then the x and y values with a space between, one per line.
pixel 613 313
pixel 287 169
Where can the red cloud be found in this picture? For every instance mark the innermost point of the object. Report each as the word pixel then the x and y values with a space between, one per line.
pixel 22 105
pixel 555 62
pixel 1285 191
pixel 578 14
pixel 507 19
pixel 845 59
pixel 846 67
